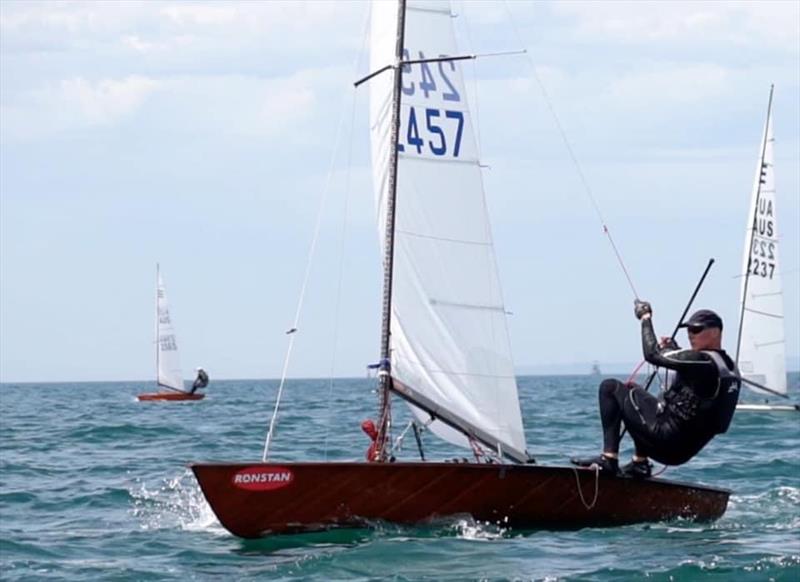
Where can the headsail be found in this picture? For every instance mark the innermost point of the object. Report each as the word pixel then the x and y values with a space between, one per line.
pixel 449 339
pixel 168 365
pixel 761 353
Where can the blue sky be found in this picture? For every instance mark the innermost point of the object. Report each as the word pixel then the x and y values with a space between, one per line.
pixel 200 135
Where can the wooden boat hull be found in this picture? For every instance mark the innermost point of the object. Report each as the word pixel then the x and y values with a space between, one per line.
pixel 171 396
pixel 253 500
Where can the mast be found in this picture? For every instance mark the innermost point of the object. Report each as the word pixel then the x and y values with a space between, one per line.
pixel 158 290
pixel 384 373
pixel 754 224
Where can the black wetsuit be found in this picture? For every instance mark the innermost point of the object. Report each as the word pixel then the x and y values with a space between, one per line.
pixel 698 405
pixel 200 382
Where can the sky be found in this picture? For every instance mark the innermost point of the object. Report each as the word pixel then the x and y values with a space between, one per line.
pixel 208 137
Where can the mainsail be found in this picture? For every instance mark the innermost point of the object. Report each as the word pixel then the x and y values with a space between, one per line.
pixel 168 366
pixel 761 354
pixel 449 339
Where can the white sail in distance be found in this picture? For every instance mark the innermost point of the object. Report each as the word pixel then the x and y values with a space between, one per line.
pixel 168 365
pixel 762 350
pixel 449 336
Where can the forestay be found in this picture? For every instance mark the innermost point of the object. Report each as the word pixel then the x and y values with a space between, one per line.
pixel 168 366
pixel 762 357
pixel 449 338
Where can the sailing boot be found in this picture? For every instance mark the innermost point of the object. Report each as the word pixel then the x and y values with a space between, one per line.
pixel 604 463
pixel 638 469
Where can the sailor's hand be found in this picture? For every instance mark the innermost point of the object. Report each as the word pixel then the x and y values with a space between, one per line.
pixel 642 309
pixel 668 342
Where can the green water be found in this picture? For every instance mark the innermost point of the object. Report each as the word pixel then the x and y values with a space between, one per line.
pixel 94 485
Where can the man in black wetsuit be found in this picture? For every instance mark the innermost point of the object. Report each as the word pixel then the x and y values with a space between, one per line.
pixel 201 381
pixel 698 405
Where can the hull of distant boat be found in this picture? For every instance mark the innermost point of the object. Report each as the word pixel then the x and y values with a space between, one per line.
pixel 171 396
pixel 253 500
pixel 769 407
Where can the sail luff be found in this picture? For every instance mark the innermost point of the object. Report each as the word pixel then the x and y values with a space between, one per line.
pixel 389 232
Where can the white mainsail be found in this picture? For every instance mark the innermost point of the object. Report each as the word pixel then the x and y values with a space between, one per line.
pixel 168 365
pixel 449 338
pixel 761 353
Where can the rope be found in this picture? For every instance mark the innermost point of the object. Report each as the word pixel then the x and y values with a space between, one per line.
pixel 342 244
pixel 398 443
pixel 570 151
pixel 588 506
pixel 292 332
pixel 629 381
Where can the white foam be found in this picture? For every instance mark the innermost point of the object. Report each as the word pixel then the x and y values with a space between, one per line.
pixel 174 503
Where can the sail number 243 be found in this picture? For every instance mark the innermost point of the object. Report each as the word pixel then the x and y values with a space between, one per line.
pixel 430 129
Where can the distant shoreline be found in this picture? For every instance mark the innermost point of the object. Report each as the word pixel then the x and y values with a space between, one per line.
pixel 525 372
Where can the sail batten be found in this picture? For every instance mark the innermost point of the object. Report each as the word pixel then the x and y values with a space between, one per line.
pixel 449 336
pixel 761 352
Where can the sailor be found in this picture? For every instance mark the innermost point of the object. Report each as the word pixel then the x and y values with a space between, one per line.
pixel 201 381
pixel 698 405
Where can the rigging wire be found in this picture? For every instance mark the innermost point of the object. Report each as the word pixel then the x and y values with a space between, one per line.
pixel 292 331
pixel 571 152
pixel 342 245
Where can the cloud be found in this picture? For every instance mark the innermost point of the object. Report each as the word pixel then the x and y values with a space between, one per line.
pixel 104 101
pixel 74 103
pixel 744 23
pixel 202 14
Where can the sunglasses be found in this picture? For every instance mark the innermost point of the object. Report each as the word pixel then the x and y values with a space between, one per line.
pixel 695 329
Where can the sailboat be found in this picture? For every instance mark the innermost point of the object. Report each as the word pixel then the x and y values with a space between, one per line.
pixel 761 346
pixel 445 346
pixel 168 366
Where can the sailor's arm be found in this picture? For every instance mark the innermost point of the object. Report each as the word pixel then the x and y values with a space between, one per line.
pixel 686 361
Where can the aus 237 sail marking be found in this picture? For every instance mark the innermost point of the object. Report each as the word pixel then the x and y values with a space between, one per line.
pixel 439 136
pixel 762 252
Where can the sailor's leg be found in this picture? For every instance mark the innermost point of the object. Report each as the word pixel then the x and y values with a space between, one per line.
pixel 611 396
pixel 640 412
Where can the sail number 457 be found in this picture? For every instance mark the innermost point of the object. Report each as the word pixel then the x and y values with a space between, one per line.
pixel 435 131
pixel 429 129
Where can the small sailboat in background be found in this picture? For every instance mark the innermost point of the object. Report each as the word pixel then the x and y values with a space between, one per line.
pixel 445 346
pixel 168 365
pixel 761 346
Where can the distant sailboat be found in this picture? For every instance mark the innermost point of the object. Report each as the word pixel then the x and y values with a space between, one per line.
pixel 761 347
pixel 168 365
pixel 445 348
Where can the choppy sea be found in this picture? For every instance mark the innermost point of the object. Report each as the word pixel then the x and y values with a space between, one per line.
pixel 94 486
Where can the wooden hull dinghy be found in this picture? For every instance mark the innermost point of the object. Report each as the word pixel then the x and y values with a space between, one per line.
pixel 253 500
pixel 168 367
pixel 445 347
pixel 171 396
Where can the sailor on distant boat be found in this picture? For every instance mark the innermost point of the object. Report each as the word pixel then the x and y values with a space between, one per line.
pixel 201 381
pixel 698 405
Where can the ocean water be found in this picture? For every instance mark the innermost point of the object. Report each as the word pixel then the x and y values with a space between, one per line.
pixel 94 485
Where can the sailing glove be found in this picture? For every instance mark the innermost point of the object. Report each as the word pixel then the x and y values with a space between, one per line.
pixel 641 308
